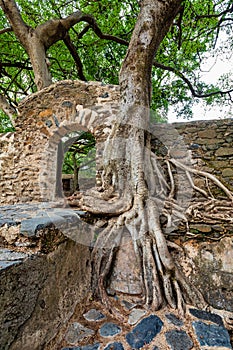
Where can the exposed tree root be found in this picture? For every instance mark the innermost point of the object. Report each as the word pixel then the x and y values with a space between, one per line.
pixel 163 282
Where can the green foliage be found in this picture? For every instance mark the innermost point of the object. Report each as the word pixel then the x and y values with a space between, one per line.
pixel 5 123
pixel 83 149
pixel 192 37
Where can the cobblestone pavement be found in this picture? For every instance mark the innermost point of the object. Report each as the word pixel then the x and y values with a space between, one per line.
pixel 96 329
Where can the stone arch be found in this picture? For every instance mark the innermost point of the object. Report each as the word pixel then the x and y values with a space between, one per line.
pixel 93 120
pixel 43 118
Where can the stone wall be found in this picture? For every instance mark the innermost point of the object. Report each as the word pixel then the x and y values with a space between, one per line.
pixel 43 274
pixel 28 159
pixel 211 143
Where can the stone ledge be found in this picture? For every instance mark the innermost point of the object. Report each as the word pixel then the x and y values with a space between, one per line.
pixel 43 275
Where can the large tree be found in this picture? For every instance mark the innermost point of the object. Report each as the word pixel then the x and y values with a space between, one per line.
pixel 88 40
pixel 131 193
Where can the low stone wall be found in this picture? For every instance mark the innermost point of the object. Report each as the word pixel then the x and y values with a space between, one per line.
pixel 43 274
pixel 211 143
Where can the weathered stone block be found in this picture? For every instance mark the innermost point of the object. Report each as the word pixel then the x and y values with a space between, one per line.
pixel 38 295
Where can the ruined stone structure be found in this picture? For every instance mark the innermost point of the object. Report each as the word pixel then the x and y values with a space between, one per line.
pixel 28 159
pixel 45 271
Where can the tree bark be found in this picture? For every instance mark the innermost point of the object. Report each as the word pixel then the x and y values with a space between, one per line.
pixel 76 172
pixel 37 41
pixel 131 190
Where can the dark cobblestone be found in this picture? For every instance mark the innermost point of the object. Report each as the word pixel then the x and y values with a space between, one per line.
pixel 85 347
pixel 114 346
pixel 144 332
pixel 174 320
pixel 34 217
pixel 207 316
pixel 178 340
pixel 211 335
pixel 109 329
pixel 94 315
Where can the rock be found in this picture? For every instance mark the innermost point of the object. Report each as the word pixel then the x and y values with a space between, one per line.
pixel 9 233
pixel 114 346
pixel 127 305
pixel 30 227
pixel 224 151
pixel 85 347
pixel 94 315
pixel 201 228
pixel 194 146
pixel 6 264
pixel 178 340
pixel 77 332
pixel 144 332
pixel 207 134
pixel 178 153
pixel 126 276
pixel 175 320
pixel 10 257
pixel 211 335
pixel 207 316
pixel 109 330
pixel 135 315
pixel 228 172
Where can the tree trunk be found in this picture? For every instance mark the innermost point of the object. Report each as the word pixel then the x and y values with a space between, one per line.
pixel 60 158
pixel 76 171
pixel 136 188
pixel 40 64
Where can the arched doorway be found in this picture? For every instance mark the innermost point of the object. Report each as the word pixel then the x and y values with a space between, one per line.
pixel 79 162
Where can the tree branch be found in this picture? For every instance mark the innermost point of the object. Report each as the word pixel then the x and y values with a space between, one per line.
pixel 17 24
pixel 7 108
pixel 72 49
pixel 216 15
pixel 6 30
pixel 188 82
pixel 55 29
pixel 93 24
pixel 15 64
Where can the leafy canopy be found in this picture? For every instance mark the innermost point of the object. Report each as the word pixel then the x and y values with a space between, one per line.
pixel 177 76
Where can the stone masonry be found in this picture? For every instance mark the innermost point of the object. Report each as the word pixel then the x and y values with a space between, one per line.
pixel 28 159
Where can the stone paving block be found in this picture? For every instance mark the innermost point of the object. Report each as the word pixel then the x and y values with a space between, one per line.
pixel 211 335
pixel 135 315
pixel 207 316
pixel 114 346
pixel 174 320
pixel 94 315
pixel 8 222
pixel 31 226
pixel 85 347
pixel 10 257
pixel 144 332
pixel 127 305
pixel 5 264
pixel 178 340
pixel 109 329
pixel 77 332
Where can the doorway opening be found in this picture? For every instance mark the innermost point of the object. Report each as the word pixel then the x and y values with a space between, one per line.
pixel 76 163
